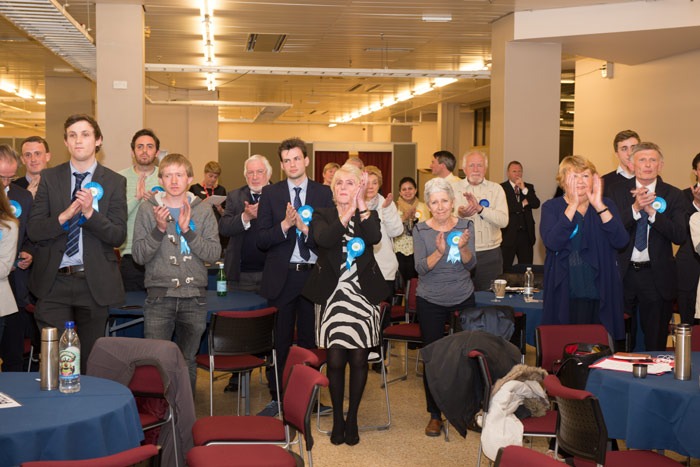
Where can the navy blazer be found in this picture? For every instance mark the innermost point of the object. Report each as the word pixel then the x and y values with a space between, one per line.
pixel 687 260
pixel 668 228
pixel 102 233
pixel 515 208
pixel 328 234
pixel 271 239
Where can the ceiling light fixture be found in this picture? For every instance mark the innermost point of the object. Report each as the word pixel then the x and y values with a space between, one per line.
pixel 206 12
pixel 437 18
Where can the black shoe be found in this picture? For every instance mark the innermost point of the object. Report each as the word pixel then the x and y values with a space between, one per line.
pixel 232 385
pixel 352 437
pixel 377 367
pixel 325 410
pixel 338 434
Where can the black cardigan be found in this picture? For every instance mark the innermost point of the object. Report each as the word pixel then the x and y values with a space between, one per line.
pixel 328 234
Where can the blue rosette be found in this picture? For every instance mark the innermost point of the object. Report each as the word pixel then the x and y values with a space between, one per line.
pixel 659 204
pixel 356 246
pixel 573 234
pixel 306 213
pixel 97 193
pixel 184 247
pixel 157 188
pixel 15 208
pixel 453 242
pixel 484 203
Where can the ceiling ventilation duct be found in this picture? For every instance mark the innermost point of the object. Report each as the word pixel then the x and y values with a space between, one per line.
pixel 47 22
pixel 265 42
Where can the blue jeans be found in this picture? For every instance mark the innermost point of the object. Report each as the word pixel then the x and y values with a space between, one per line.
pixel 186 317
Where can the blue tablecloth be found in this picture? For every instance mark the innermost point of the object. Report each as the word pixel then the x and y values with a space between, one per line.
pixel 656 412
pixel 533 310
pixel 100 420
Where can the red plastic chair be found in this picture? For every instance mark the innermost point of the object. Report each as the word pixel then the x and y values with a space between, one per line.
pixel 581 431
pixel 533 427
pixel 405 332
pixel 236 338
pixel 518 456
pixel 695 338
pixel 232 429
pixel 550 340
pixel 122 459
pixel 299 397
pixel 149 385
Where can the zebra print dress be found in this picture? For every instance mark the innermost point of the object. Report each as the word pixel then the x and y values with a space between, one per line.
pixel 348 320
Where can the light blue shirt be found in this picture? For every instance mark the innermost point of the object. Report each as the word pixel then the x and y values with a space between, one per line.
pixel 296 256
pixel 77 258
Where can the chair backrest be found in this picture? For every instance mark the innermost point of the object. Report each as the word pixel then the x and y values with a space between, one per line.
pixel 695 338
pixel 297 356
pixel 518 456
pixel 581 429
pixel 148 380
pixel 121 459
pixel 550 340
pixel 411 300
pixel 485 375
pixel 299 398
pixel 242 332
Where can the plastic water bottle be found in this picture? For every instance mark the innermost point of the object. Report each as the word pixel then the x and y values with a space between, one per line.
pixel 69 360
pixel 221 288
pixel 528 283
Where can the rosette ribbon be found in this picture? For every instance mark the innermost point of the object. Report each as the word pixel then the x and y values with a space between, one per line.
pixel 157 188
pixel 97 193
pixel 356 246
pixel 484 203
pixel 659 204
pixel 305 212
pixel 15 208
pixel 184 247
pixel 453 242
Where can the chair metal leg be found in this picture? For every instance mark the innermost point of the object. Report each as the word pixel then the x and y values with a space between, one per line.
pixel 385 386
pixel 211 390
pixel 404 376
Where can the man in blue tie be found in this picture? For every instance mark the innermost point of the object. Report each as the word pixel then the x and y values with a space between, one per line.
pixel 78 218
pixel 290 256
pixel 654 214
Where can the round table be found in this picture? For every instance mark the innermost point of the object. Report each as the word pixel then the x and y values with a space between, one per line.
pixel 100 420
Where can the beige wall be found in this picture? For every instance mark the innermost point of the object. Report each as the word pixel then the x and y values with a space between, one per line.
pixel 659 100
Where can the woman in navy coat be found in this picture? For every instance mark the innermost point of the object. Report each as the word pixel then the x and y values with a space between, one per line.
pixel 582 232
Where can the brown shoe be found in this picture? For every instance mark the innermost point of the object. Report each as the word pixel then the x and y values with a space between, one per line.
pixel 434 427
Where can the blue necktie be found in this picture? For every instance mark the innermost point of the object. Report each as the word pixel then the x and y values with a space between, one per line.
pixel 303 249
pixel 73 225
pixel 640 236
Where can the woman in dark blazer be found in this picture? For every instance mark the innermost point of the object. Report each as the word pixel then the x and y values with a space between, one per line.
pixel 346 285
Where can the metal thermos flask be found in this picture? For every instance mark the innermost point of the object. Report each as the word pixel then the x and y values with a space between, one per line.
pixel 682 368
pixel 48 366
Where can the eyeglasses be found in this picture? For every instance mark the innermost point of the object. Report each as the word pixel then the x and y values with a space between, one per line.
pixel 8 179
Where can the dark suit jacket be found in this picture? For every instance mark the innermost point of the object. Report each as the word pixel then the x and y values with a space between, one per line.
pixel 328 234
pixel 687 260
pixel 611 179
pixel 515 210
pixel 19 278
pixel 279 248
pixel 22 182
pixel 104 231
pixel 231 225
pixel 670 227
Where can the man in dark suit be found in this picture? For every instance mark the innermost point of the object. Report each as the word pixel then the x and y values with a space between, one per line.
pixel 36 156
pixel 655 215
pixel 19 324
pixel 244 261
pixel 289 245
pixel 623 145
pixel 78 218
pixel 519 234
pixel 687 260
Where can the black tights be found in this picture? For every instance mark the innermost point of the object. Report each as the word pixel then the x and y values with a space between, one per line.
pixel 338 358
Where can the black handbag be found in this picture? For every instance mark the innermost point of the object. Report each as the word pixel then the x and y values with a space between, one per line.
pixel 576 358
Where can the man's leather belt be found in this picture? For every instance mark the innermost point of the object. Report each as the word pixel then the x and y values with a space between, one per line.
pixel 69 270
pixel 301 266
pixel 637 266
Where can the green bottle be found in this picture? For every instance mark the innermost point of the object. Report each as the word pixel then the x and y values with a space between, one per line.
pixel 221 288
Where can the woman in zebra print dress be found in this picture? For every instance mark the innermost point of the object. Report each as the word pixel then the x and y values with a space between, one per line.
pixel 347 291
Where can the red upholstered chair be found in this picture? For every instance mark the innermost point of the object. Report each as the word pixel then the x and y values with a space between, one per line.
pixel 518 456
pixel 236 338
pixel 122 459
pixel 149 386
pixel 550 340
pixel 232 429
pixel 695 338
pixel 299 397
pixel 581 431
pixel 405 332
pixel 544 427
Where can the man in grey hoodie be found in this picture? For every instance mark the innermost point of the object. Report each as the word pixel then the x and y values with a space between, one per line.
pixel 174 234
